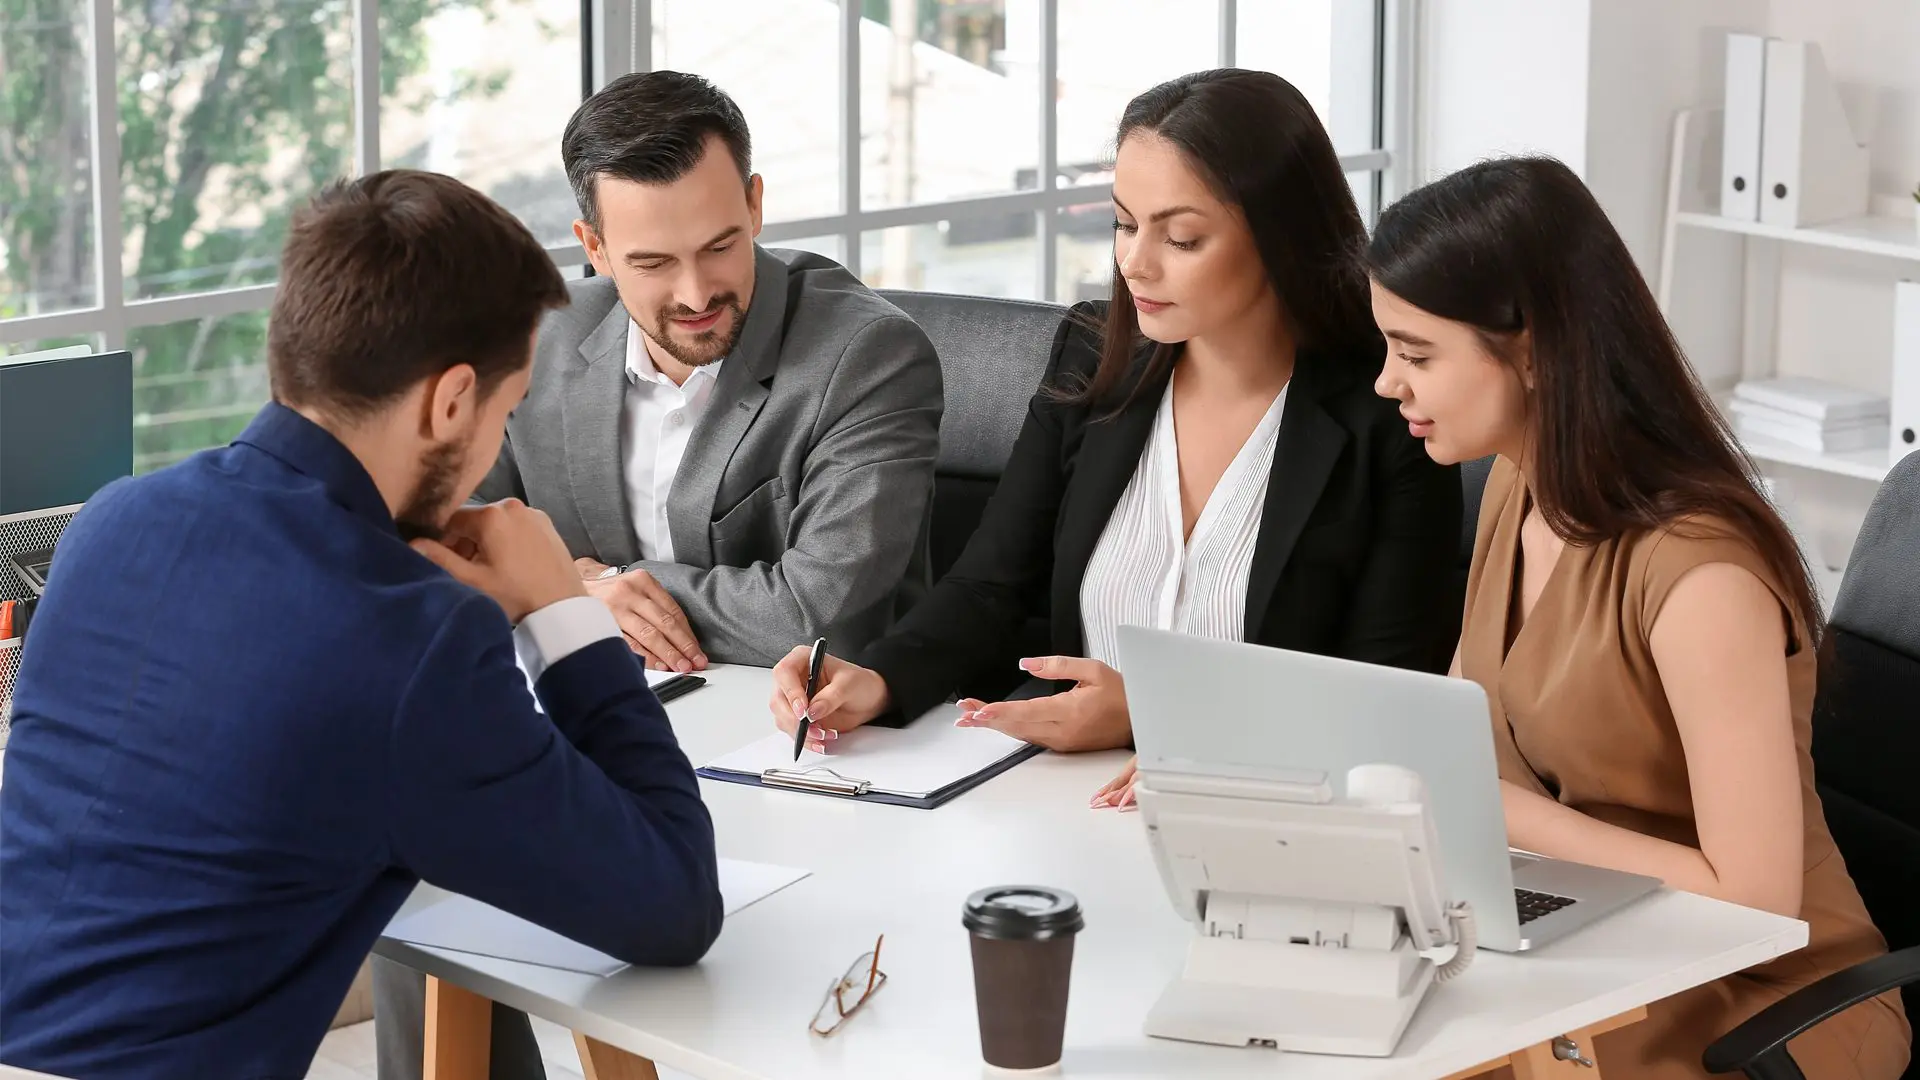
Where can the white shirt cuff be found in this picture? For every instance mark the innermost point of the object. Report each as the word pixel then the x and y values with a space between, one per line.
pixel 557 631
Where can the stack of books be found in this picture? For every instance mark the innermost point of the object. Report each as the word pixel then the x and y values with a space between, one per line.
pixel 1810 414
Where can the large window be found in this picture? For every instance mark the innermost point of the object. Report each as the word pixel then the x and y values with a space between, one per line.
pixel 956 145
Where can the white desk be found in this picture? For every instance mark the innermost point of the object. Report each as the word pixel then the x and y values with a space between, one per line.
pixel 743 1012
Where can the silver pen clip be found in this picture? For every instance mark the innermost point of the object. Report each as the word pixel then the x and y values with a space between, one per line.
pixel 815 779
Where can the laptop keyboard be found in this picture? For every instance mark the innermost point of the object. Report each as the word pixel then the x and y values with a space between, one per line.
pixel 1532 905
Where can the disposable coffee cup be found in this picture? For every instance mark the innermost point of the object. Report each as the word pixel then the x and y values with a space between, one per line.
pixel 1022 962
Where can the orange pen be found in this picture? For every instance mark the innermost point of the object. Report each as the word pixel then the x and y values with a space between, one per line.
pixel 6 620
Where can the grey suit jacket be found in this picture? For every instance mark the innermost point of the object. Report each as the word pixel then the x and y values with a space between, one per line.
pixel 801 508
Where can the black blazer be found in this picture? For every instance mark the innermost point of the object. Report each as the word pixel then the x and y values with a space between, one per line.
pixel 1355 558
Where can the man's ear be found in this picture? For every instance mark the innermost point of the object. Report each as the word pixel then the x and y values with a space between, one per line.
pixel 756 190
pixel 594 246
pixel 452 401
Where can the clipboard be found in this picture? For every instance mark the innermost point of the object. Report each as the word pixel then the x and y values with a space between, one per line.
pixel 924 765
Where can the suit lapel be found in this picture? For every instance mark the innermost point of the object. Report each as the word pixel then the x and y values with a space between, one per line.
pixel 590 415
pixel 1109 454
pixel 1309 445
pixel 737 397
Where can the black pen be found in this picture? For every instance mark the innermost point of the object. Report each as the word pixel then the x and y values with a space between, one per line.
pixel 814 662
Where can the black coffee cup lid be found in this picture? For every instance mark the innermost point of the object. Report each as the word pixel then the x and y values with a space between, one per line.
pixel 1022 912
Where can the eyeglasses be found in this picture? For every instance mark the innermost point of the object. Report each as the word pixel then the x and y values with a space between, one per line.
pixel 845 997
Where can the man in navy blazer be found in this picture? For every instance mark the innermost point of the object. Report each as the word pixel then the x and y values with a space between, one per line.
pixel 253 715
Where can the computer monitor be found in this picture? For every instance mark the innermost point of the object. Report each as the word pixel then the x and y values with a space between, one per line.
pixel 66 429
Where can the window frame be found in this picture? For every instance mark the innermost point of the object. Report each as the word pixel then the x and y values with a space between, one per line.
pixel 616 39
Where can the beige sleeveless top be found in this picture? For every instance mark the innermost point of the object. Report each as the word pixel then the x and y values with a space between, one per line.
pixel 1579 715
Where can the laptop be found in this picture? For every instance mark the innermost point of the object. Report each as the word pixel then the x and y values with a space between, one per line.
pixel 1199 704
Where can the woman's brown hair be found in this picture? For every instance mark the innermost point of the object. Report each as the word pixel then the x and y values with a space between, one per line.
pixel 1624 438
pixel 1258 144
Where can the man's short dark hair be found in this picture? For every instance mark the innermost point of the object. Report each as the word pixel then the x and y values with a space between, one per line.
pixel 650 127
pixel 397 277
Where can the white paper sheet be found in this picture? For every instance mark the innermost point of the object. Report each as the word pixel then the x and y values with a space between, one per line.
pixel 462 925
pixel 913 761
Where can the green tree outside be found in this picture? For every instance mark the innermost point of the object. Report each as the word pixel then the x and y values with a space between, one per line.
pixel 231 114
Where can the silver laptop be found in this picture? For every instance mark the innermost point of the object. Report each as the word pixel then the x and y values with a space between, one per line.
pixel 1197 703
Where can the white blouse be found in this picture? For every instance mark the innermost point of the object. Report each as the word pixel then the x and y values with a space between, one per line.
pixel 1143 574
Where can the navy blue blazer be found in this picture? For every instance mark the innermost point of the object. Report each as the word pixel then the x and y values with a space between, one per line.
pixel 250 718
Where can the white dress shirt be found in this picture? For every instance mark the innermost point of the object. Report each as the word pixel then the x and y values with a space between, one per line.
pixel 656 420
pixel 557 631
pixel 1144 573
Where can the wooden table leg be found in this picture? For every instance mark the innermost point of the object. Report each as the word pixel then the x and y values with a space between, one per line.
pixel 1538 1062
pixel 459 1033
pixel 598 1061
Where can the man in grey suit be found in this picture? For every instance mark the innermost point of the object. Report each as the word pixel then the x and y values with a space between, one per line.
pixel 745 437
pixel 736 444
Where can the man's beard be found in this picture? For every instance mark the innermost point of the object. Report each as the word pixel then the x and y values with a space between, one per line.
pixel 425 514
pixel 707 346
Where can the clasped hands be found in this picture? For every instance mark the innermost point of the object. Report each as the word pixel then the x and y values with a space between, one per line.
pixel 1091 716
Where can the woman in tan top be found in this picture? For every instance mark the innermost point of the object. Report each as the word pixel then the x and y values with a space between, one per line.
pixel 1639 616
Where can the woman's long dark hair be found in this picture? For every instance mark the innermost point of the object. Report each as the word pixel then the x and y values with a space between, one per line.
pixel 1260 147
pixel 1624 438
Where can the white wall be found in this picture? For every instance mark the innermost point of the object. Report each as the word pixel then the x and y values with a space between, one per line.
pixel 1596 83
pixel 1646 60
pixel 1501 77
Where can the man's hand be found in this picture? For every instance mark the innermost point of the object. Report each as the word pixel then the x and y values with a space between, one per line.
pixel 509 551
pixel 653 624
pixel 847 697
pixel 1091 716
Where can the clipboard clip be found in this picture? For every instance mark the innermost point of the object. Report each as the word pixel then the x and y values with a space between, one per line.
pixel 815 779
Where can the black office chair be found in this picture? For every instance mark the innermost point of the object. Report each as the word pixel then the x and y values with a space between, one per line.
pixel 993 354
pixel 1865 744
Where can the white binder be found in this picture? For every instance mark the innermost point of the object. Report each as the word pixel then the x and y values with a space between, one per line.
pixel 1905 436
pixel 1812 168
pixel 1740 149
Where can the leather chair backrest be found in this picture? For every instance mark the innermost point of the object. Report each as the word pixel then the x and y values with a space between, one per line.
pixel 1866 717
pixel 993 354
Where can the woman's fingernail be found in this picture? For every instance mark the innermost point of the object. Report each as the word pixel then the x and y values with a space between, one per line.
pixel 966 720
pixel 1029 664
pixel 827 734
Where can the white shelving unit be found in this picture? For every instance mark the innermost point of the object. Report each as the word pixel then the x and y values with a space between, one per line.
pixel 1892 237
pixel 1692 193
pixel 1862 464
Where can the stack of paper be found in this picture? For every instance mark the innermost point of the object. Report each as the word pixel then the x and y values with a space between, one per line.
pixel 1810 414
pixel 460 924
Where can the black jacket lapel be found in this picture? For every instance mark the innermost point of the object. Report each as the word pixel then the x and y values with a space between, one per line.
pixel 1309 445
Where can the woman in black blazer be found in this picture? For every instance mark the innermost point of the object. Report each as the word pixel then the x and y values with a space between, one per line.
pixel 1240 329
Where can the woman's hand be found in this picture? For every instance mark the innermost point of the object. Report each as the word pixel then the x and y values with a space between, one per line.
pixel 1091 716
pixel 847 697
pixel 1118 792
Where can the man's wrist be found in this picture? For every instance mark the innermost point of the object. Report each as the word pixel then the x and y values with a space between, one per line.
pixel 556 631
